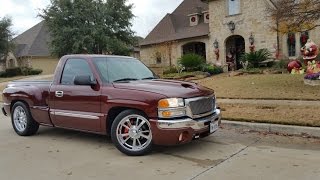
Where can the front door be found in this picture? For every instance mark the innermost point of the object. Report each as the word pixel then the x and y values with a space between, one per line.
pixel 75 106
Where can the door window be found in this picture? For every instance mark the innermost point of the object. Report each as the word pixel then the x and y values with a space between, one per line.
pixel 75 67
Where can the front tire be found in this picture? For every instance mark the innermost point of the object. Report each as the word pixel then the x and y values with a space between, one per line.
pixel 131 133
pixel 22 121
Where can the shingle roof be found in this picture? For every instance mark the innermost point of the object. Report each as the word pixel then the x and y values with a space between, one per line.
pixel 176 26
pixel 33 42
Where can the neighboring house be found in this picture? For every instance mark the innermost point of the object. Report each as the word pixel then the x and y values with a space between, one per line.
pixel 135 52
pixel 218 27
pixel 183 31
pixel 8 62
pixel 33 44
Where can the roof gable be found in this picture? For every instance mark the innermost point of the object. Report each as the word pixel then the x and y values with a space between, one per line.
pixel 33 42
pixel 176 26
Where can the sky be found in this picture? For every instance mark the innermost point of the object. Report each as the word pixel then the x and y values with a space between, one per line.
pixel 148 13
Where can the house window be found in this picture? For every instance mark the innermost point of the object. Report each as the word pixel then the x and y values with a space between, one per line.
pixel 304 38
pixel 291 44
pixel 234 7
pixel 158 58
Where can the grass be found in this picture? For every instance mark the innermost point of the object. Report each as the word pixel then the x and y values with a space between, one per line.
pixel 271 86
pixel 277 114
pixel 197 74
pixel 48 65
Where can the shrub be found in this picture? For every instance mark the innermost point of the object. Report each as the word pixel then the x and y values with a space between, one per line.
pixel 11 72
pixel 281 64
pixel 192 62
pixel 212 70
pixel 256 57
pixel 170 70
pixel 35 71
pixel 20 72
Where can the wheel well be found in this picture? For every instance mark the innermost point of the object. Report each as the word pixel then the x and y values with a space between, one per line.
pixel 17 100
pixel 113 113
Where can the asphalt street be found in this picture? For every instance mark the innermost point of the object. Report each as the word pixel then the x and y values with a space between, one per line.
pixel 228 154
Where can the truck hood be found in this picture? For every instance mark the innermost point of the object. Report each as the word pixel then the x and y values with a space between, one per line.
pixel 168 88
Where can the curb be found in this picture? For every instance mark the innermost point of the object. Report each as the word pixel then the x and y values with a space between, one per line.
pixel 274 128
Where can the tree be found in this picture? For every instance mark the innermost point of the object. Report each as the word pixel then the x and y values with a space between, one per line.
pixel 99 26
pixel 295 16
pixel 5 36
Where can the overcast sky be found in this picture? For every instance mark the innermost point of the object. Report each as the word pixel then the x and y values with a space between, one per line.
pixel 148 13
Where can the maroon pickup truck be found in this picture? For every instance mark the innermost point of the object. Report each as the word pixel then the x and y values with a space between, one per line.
pixel 116 96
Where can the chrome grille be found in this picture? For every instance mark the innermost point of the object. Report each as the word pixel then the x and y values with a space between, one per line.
pixel 203 105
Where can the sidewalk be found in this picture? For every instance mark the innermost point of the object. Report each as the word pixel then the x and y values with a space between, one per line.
pixel 273 128
pixel 269 102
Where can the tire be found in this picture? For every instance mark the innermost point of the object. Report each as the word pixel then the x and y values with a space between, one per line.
pixel 22 121
pixel 131 133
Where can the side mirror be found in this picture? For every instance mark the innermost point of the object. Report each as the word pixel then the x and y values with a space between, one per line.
pixel 84 80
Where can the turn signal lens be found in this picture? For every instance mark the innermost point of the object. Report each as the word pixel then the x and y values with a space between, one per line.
pixel 172 113
pixel 166 114
pixel 164 103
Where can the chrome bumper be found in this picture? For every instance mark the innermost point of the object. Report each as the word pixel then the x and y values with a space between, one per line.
pixel 190 123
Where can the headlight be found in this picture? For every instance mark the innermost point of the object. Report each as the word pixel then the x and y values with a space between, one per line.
pixel 170 103
pixel 171 108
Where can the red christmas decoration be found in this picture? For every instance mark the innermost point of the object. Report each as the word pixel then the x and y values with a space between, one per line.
pixel 193 19
pixel 291 39
pixel 294 65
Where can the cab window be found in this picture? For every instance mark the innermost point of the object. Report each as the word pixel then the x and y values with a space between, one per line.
pixel 74 67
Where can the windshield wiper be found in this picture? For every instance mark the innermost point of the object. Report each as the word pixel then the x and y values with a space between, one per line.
pixel 148 78
pixel 125 79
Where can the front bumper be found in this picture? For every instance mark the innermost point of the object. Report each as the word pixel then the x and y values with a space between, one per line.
pixel 173 132
pixel 4 111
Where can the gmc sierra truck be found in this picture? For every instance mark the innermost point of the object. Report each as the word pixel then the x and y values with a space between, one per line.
pixel 116 96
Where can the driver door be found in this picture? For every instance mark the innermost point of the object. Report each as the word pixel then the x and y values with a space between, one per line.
pixel 76 106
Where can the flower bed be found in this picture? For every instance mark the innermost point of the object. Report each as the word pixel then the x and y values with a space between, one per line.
pixel 312 79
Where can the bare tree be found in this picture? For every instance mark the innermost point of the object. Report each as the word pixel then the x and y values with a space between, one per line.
pixel 294 15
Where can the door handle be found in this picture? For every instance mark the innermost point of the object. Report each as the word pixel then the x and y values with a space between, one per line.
pixel 59 93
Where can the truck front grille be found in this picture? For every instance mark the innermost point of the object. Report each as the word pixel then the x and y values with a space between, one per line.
pixel 203 105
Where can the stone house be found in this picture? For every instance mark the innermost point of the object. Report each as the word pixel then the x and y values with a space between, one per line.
pixel 9 61
pixel 216 29
pixel 33 45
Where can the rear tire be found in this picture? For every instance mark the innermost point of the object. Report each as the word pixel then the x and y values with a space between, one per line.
pixel 131 133
pixel 22 121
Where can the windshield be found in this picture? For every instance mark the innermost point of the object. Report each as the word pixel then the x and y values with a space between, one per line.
pixel 117 69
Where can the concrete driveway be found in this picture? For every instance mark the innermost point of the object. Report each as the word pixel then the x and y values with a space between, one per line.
pixel 61 154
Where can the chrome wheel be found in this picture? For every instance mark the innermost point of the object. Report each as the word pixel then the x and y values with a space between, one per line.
pixel 20 118
pixel 134 133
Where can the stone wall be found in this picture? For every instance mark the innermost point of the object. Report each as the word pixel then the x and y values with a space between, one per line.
pixel 314 35
pixel 251 20
pixel 149 53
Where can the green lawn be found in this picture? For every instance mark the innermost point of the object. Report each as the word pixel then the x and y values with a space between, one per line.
pixel 277 114
pixel 273 86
